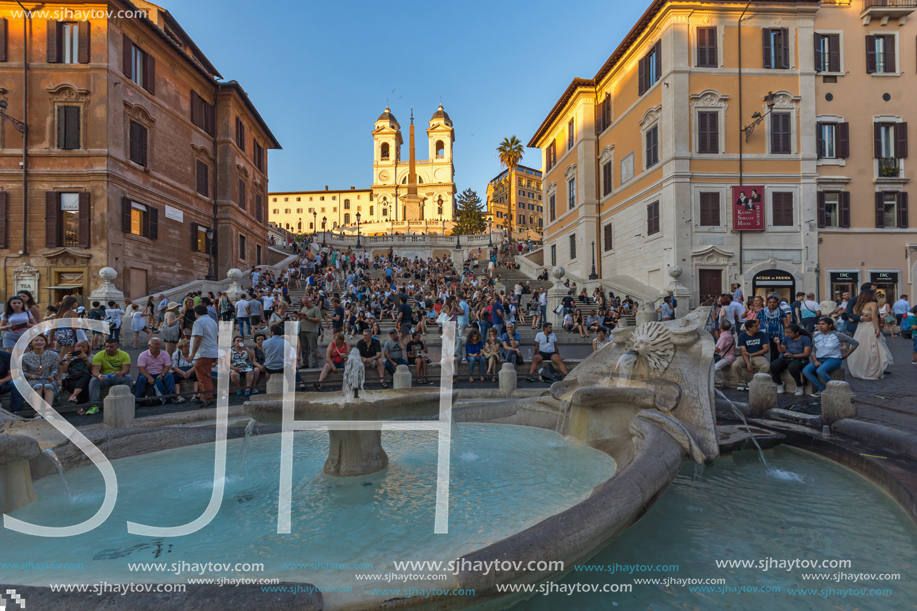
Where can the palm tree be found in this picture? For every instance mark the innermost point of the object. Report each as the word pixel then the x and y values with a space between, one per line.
pixel 510 152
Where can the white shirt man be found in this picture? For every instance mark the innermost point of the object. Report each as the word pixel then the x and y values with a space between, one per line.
pixel 268 301
pixel 732 312
pixel 242 308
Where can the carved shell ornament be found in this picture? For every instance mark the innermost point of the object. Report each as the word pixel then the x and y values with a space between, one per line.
pixel 652 341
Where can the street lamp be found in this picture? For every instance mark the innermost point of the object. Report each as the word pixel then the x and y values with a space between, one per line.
pixel 769 101
pixel 314 224
pixel 358 230
pixel 490 233
pixel 593 275
pixel 444 227
pixel 324 220
pixel 209 234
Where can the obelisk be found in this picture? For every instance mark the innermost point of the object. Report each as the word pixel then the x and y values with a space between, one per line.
pixel 412 201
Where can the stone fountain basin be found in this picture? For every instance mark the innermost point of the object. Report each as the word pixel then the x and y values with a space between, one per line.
pixel 373 405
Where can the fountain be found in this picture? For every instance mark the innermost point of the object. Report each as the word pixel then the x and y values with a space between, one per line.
pixel 15 476
pixel 351 452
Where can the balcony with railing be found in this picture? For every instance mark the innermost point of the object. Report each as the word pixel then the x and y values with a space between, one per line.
pixel 889 167
pixel 883 10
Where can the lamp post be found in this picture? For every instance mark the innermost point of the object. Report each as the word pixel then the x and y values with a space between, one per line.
pixel 758 117
pixel 358 230
pixel 209 234
pixel 444 227
pixel 314 224
pixel 593 275
pixel 490 233
pixel 324 220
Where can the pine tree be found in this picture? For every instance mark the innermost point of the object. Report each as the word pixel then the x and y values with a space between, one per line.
pixel 470 215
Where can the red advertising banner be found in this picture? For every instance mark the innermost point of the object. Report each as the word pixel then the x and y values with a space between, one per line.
pixel 748 208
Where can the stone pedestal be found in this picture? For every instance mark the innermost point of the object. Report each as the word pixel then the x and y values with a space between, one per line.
pixel 275 384
pixel 353 453
pixel 762 394
pixel 837 402
pixel 234 291
pixel 680 292
pixel 15 477
pixel 402 377
pixel 508 379
pixel 646 312
pixel 119 408
pixel 107 292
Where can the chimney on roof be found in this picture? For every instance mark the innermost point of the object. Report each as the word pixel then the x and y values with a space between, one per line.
pixel 352 188
pixel 326 187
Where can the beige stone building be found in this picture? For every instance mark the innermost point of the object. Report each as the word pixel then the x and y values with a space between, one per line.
pixel 134 150
pixel 521 215
pixel 676 166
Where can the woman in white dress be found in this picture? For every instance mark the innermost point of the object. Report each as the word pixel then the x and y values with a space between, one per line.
pixel 871 359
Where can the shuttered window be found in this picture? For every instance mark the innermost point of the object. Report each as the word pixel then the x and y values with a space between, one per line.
pixel 652 146
pixel 827 53
pixel 606 179
pixel 203 113
pixel 608 237
pixel 240 134
pixel 3 38
pixel 67 219
pixel 891 210
pixel 139 219
pixel 138 145
pixel 710 209
pixel 242 194
pixel 833 209
pixel 572 247
pixel 551 155
pixel 649 68
pixel 67 42
pixel 781 142
pixel 706 48
pixel 68 127
pixel 258 156
pixel 258 207
pixel 782 209
pixel 880 54
pixel 203 178
pixel 242 247
pixel 708 139
pixel 137 65
pixel 652 218
pixel 776 47
pixel 552 207
pixel 571 134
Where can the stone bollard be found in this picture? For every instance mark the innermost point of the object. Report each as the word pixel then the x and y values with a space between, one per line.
pixel 837 402
pixel 507 379
pixel 762 394
pixel 275 384
pixel 402 377
pixel 119 408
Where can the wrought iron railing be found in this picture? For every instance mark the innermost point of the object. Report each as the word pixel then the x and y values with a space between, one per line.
pixel 890 3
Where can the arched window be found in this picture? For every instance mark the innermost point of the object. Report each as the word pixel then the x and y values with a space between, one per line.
pixel 299 226
pixel 440 149
pixel 439 203
pixel 347 219
pixel 346 204
pixel 310 226
pixel 384 150
pixel 288 226
pixel 334 225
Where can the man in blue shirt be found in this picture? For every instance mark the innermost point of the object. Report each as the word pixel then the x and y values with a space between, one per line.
pixel 755 347
pixel 511 342
pixel 497 315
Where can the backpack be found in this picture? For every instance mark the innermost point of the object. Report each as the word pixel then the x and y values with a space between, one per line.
pixel 549 374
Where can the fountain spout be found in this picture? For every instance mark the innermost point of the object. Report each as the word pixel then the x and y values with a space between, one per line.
pixel 354 376
pixel 15 476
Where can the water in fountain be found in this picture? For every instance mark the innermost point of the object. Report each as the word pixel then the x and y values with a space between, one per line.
pixel 249 428
pixel 60 469
pixel 625 367
pixel 354 376
pixel 565 405
pixel 745 422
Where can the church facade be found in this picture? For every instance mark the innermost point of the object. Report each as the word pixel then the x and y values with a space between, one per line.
pixel 405 192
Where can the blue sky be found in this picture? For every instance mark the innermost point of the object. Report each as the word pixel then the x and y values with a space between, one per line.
pixel 320 72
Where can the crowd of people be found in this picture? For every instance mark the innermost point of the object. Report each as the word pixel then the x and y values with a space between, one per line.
pixel 769 335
